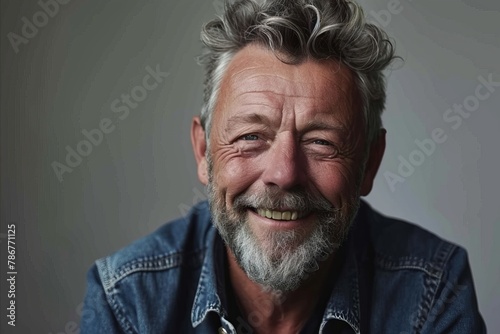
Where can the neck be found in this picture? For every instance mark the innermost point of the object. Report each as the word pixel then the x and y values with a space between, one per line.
pixel 276 312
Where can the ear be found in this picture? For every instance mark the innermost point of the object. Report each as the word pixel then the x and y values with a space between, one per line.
pixel 375 155
pixel 199 147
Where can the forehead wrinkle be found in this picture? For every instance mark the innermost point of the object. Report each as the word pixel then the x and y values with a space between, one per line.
pixel 267 83
pixel 252 118
pixel 270 93
pixel 248 68
pixel 289 95
pixel 260 104
pixel 341 94
pixel 257 98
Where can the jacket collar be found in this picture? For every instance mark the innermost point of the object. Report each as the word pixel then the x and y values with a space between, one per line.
pixel 344 300
pixel 350 299
pixel 210 285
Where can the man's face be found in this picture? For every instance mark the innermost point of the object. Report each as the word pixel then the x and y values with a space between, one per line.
pixel 285 163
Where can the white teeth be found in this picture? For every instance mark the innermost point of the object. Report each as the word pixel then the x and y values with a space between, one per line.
pixel 278 215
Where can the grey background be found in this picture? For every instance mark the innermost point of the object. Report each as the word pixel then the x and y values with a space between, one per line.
pixel 143 173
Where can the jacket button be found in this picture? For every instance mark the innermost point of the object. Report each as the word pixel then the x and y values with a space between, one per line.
pixel 222 330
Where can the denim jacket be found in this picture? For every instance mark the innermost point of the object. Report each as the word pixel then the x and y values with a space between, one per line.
pixel 395 278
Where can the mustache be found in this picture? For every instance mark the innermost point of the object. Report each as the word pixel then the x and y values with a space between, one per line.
pixel 276 199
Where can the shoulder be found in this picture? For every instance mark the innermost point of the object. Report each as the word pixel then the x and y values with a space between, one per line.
pixel 399 243
pixel 179 242
pixel 422 283
pixel 150 285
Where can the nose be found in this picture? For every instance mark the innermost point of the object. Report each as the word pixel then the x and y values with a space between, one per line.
pixel 284 165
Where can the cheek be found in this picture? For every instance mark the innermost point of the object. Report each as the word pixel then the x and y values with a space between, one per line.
pixel 336 182
pixel 235 176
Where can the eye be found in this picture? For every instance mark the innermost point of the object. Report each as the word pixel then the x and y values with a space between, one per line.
pixel 251 143
pixel 322 148
pixel 322 142
pixel 249 137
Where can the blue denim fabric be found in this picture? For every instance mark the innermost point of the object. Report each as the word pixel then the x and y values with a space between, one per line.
pixel 395 278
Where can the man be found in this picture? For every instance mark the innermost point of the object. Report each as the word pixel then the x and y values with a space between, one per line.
pixel 288 140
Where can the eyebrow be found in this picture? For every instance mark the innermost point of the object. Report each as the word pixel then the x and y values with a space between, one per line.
pixel 318 125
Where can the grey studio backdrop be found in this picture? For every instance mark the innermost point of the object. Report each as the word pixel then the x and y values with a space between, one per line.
pixel 67 75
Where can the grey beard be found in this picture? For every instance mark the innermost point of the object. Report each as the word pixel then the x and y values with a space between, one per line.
pixel 286 258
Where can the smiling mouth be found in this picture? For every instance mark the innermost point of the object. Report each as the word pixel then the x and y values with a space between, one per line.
pixel 280 215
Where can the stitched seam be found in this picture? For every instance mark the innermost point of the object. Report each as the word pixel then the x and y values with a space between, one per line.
pixel 156 263
pixel 196 320
pixel 124 322
pixel 338 315
pixel 412 263
pixel 427 272
pixel 431 284
pixel 199 291
pixel 197 314
pixel 445 254
pixel 354 286
pixel 103 270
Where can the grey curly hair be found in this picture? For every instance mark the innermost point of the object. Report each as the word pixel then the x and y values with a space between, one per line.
pixel 296 30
